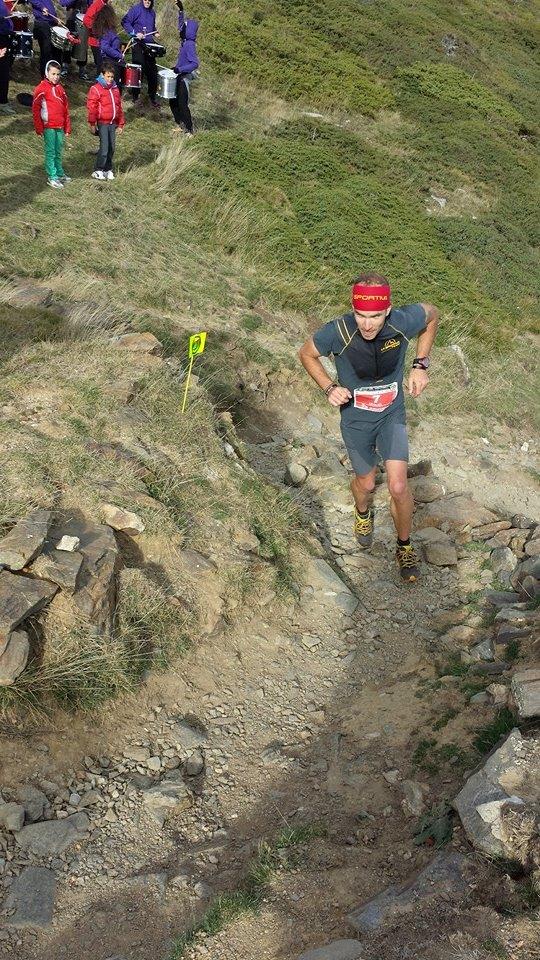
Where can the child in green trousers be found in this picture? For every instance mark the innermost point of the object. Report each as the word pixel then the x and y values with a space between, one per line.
pixel 50 110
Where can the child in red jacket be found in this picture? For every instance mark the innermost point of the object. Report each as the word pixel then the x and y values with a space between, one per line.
pixel 50 110
pixel 105 116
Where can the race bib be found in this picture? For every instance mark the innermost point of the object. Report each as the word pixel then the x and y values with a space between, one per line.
pixel 375 398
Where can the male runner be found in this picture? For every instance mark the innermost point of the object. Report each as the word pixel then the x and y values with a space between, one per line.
pixel 369 347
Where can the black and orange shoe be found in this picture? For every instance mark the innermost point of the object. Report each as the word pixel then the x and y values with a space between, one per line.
pixel 363 528
pixel 407 559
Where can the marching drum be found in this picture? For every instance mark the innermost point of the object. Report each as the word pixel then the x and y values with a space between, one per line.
pixel 22 46
pixel 61 39
pixel 132 76
pixel 166 88
pixel 20 22
pixel 155 49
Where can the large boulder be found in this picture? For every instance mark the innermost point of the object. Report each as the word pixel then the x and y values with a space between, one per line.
pixel 452 514
pixel 502 794
pixel 439 549
pixel 95 594
pixel 25 540
pixel 20 597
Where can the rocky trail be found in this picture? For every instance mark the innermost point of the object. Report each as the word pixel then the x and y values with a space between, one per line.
pixel 351 707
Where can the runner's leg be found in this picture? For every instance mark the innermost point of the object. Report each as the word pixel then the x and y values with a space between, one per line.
pixel 362 489
pixel 401 501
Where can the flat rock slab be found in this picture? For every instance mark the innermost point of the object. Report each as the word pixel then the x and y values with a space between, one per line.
pixel 14 658
pixel 25 540
pixel 60 567
pixel 439 549
pixel 140 343
pixel 185 736
pixel 454 513
pixel 526 692
pixel 50 838
pixel 327 587
pixel 167 798
pixel 444 876
pixel 123 520
pixel 19 598
pixel 32 896
pixel 337 950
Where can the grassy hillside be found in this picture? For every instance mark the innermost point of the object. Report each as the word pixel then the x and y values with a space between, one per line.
pixel 272 205
pixel 325 131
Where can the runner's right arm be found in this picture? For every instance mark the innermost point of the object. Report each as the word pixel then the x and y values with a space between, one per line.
pixel 310 360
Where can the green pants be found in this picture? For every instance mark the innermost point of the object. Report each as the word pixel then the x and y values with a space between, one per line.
pixel 53 143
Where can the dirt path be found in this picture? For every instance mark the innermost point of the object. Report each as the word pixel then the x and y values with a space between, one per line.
pixel 307 712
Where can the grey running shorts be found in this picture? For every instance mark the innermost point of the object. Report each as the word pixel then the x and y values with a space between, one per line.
pixel 367 442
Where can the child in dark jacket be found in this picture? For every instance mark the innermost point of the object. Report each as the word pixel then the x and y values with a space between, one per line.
pixel 110 46
pixel 185 66
pixel 105 116
pixel 50 110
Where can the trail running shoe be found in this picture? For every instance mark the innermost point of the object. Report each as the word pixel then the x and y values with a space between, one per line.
pixel 407 559
pixel 363 528
pixel 56 184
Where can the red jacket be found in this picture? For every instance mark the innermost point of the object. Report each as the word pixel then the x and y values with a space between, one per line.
pixel 89 17
pixel 50 107
pixel 104 105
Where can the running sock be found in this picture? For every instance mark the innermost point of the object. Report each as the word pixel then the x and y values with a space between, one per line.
pixel 404 543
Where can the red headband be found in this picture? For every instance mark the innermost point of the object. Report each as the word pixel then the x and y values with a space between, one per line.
pixel 369 298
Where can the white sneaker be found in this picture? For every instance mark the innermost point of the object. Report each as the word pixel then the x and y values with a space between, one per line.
pixel 99 175
pixel 56 184
pixel 65 179
pixel 109 175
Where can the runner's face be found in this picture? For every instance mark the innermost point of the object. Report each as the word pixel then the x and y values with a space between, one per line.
pixel 370 322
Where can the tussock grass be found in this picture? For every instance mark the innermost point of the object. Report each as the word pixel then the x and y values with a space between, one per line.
pixel 81 672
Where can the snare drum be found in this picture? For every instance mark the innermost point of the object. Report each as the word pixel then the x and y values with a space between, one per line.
pixel 132 76
pixel 154 50
pixel 22 46
pixel 60 38
pixel 166 88
pixel 20 22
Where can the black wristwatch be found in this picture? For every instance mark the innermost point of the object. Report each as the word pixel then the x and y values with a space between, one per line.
pixel 421 363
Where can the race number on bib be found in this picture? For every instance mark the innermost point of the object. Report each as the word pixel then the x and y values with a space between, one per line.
pixel 375 398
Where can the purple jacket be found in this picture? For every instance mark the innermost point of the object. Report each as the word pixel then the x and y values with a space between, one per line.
pixel 39 17
pixel 6 25
pixel 139 20
pixel 110 46
pixel 75 5
pixel 187 55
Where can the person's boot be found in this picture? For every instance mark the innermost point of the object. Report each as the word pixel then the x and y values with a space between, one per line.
pixel 83 74
pixel 363 527
pixel 407 560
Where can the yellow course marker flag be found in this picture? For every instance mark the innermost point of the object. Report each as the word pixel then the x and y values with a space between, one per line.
pixel 197 344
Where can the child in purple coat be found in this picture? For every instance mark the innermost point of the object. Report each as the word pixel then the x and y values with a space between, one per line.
pixel 110 46
pixel 185 67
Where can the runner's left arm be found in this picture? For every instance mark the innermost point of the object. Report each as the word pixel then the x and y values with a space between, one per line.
pixel 419 379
